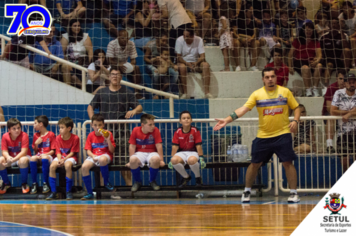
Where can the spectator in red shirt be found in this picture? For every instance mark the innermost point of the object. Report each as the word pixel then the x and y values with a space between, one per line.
pixel 281 70
pixel 304 57
pixel 330 124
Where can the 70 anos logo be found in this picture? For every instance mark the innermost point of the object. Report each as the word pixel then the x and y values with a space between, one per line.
pixel 21 14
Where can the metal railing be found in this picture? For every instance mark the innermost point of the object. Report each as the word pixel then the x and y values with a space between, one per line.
pixel 85 70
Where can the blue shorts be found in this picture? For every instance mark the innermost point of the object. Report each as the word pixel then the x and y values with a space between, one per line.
pixel 264 148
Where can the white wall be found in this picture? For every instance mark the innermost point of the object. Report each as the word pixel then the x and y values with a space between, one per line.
pixel 20 86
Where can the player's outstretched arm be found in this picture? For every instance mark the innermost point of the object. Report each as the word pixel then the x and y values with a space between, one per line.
pixel 223 122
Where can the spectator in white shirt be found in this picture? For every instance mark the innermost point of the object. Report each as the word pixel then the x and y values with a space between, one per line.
pixel 118 53
pixel 191 58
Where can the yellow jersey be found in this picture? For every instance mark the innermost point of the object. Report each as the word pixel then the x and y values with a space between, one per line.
pixel 272 110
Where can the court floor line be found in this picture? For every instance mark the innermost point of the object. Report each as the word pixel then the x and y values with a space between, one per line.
pixel 19 225
pixel 173 227
pixel 268 202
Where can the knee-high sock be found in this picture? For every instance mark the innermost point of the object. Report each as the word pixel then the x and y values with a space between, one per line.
pixel 33 166
pixel 180 169
pixel 69 184
pixel 53 184
pixel 195 169
pixel 45 170
pixel 5 178
pixel 24 175
pixel 87 182
pixel 136 174
pixel 153 174
pixel 105 173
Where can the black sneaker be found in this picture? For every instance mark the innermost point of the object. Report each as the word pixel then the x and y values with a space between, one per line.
pixel 184 182
pixel 69 196
pixel 154 186
pixel 198 182
pixel 33 188
pixel 45 188
pixel 330 150
pixel 136 187
pixel 246 197
pixel 52 196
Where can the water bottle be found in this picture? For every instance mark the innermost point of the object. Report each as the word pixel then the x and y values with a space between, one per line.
pixel 229 156
pixel 235 153
pixel 244 155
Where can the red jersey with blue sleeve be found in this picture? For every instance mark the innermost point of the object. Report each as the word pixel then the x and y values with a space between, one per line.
pixel 64 147
pixel 187 141
pixel 48 143
pixel 145 142
pixel 98 145
pixel 14 146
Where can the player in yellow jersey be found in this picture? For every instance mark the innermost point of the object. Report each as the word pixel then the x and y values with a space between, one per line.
pixel 274 130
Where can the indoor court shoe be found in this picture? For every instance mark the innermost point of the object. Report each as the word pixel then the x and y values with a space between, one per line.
pixel 109 187
pixel 316 92
pixel 33 188
pixel 245 197
pixel 25 188
pixel 136 187
pixel 69 196
pixel 4 188
pixel 154 186
pixel 293 198
pixel 330 149
pixel 52 196
pixel 198 182
pixel 308 92
pixel 45 188
pixel 184 182
pixel 89 196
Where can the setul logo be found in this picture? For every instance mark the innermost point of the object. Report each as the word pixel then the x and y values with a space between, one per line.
pixel 272 112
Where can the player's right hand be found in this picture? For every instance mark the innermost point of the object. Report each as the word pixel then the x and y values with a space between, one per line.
pixel 221 124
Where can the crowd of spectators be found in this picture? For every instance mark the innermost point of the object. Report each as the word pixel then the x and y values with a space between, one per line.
pixel 173 33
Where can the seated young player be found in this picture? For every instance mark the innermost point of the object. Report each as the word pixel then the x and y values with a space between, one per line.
pixel 15 152
pixel 44 145
pixel 145 148
pixel 186 148
pixel 67 155
pixel 100 146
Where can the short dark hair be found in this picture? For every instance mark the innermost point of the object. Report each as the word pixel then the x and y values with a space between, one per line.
pixel 12 122
pixel 267 69
pixel 301 106
pixel 277 50
pixel 185 112
pixel 302 8
pixel 115 67
pixel 160 33
pixel 266 11
pixel 146 117
pixel 42 119
pixel 283 12
pixel 162 49
pixel 190 31
pixel 341 71
pixel 67 121
pixel 98 117
pixel 123 31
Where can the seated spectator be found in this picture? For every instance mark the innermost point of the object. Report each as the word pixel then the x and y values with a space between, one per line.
pixel 323 25
pixel 143 24
pixel 98 72
pixel 228 42
pixel 201 11
pixel 329 7
pixel 19 55
pixel 301 18
pixel 304 136
pixel 77 48
pixel 163 64
pixel 123 14
pixel 191 58
pixel 118 53
pixel 349 17
pixel 268 34
pixel 152 52
pixel 233 8
pixel 285 33
pixel 2 118
pixel 287 7
pixel 344 105
pixel 330 124
pixel 70 9
pixel 42 64
pixel 280 69
pixel 336 52
pixel 247 29
pixel 259 7
pixel 305 58
pixel 178 18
